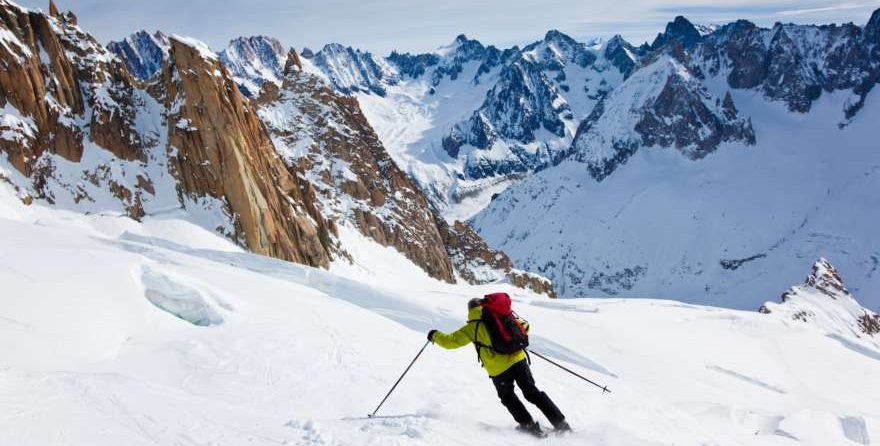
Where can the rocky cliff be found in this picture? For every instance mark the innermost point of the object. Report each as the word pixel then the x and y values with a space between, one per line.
pixel 81 133
pixel 327 136
pixel 221 149
pixel 60 91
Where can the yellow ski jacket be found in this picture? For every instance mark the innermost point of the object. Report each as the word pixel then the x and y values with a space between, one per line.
pixel 494 363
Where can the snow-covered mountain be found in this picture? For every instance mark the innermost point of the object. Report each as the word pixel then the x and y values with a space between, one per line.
pixel 83 133
pixel 253 61
pixel 823 301
pixel 712 173
pixel 480 118
pixel 142 53
pixel 351 71
pixel 356 182
pixel 661 104
pixel 469 120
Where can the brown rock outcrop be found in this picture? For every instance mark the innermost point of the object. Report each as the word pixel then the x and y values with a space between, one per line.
pixel 56 75
pixel 46 97
pixel 221 149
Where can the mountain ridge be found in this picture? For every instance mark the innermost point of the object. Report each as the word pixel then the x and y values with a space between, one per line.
pixel 96 138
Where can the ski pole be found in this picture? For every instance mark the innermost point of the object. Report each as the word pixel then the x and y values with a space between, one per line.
pixel 604 388
pixel 399 379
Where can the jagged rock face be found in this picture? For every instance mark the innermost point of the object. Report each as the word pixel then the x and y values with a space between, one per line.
pixel 823 301
pixel 464 51
pixel 661 105
pixel 65 95
pixel 531 97
pixel 680 30
pixel 46 105
pixel 680 118
pixel 621 54
pixel 522 102
pixel 558 50
pixel 350 70
pixel 872 36
pixel 57 77
pixel 142 53
pixel 790 63
pixel 413 65
pixel 223 151
pixel 187 137
pixel 326 135
pixel 740 46
pixel 787 78
pixel 253 61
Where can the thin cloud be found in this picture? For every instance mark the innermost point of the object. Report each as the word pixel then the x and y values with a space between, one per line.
pixel 424 25
pixel 842 7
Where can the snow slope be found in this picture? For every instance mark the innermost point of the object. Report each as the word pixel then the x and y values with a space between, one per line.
pixel 116 332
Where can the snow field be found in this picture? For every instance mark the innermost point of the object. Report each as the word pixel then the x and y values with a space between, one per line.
pixel 295 355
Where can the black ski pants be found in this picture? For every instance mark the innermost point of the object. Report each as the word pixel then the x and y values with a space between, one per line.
pixel 522 375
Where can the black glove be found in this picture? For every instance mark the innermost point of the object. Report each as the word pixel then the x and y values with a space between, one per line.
pixel 431 335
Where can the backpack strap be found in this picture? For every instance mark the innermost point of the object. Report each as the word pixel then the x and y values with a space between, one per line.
pixel 477 344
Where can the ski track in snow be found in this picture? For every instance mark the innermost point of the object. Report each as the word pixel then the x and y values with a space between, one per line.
pixel 745 378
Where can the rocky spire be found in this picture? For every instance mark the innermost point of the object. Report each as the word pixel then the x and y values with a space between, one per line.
pixel 825 279
pixel 823 301
pixel 293 63
pixel 681 30
pixel 872 29
pixel 224 151
pixel 53 9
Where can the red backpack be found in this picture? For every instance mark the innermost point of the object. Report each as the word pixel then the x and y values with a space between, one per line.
pixel 509 333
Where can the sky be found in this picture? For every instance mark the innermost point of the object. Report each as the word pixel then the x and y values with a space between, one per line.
pixel 424 25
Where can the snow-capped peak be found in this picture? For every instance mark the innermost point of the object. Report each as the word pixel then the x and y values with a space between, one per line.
pixel 142 53
pixel 351 70
pixel 681 30
pixel 253 61
pixel 451 48
pixel 557 49
pixel 664 105
pixel 823 301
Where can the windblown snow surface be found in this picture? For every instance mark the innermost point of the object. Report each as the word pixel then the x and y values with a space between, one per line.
pixel 162 333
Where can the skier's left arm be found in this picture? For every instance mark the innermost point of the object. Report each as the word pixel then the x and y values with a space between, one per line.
pixel 456 339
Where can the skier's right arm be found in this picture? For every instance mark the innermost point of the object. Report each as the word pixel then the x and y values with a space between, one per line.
pixel 456 339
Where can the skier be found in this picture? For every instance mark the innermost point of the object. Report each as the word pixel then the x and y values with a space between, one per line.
pixel 504 369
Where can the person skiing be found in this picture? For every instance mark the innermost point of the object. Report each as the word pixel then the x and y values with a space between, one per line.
pixel 503 369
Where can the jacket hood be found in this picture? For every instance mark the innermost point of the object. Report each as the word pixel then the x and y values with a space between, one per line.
pixel 475 313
